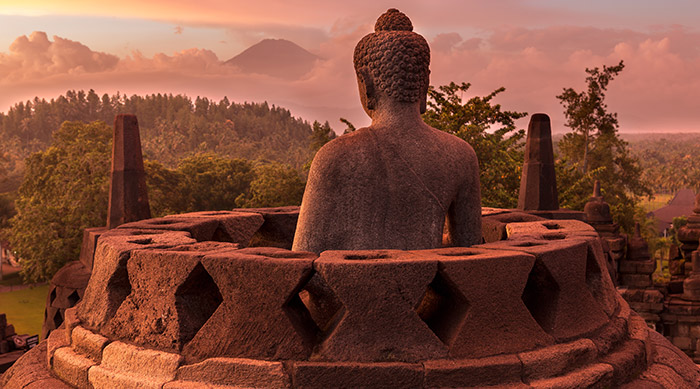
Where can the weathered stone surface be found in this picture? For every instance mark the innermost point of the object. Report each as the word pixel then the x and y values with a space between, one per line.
pixel 598 375
pixel 380 323
pixel 259 317
pixel 558 359
pixel 538 185
pixel 88 343
pixel 109 284
pixel 73 275
pixel 666 377
pixel 357 375
pixel 72 367
pixel 557 293
pixel 237 372
pixel 128 194
pixel 199 228
pixel 278 228
pixel 172 296
pixel 449 373
pixel 550 230
pixel 493 225
pixel 30 369
pixel 494 319
pixel 127 366
pixel 237 227
pixel 390 185
pixel 596 209
pixel 56 340
pixel 667 355
pixel 89 245
pixel 628 361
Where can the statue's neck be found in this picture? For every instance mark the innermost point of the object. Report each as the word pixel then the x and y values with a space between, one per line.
pixel 390 113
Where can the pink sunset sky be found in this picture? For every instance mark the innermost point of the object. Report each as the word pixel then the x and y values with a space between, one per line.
pixel 534 48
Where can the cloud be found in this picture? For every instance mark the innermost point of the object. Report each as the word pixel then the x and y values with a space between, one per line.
pixel 37 57
pixel 657 91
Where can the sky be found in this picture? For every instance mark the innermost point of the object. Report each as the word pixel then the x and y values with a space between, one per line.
pixel 533 48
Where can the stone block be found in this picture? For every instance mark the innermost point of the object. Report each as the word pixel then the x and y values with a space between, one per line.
pixel 379 290
pixel 617 244
pixel 550 230
pixel 666 354
pixel 694 331
pixel 493 224
pixel 357 375
pixel 682 342
pixel 29 370
pixel 89 245
pixel 666 377
pixel 109 284
pixel 636 280
pixel 237 372
pixel 261 315
pixel 628 361
pixel 599 375
pixel 72 367
pixel 610 335
pixel 199 228
pixel 278 228
pixel 151 365
pixel 489 285
pixel 558 359
pixel 88 343
pixel 70 321
pixel 56 340
pixel 558 292
pixel 236 227
pixel 100 377
pixel 172 296
pixel 498 370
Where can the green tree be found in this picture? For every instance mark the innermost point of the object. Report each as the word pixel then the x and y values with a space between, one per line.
pixel 274 185
pixel 64 191
pixel 594 150
pixel 492 133
pixel 212 182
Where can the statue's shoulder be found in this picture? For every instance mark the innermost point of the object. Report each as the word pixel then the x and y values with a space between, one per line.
pixel 354 147
pixel 454 145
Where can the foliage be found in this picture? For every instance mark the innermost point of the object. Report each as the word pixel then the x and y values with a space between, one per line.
pixel 349 126
pixel 594 151
pixel 64 191
pixel 490 131
pixel 171 127
pixel 669 163
pixel 320 135
pixel 274 185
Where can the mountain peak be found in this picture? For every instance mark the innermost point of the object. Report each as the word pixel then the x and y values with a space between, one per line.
pixel 275 57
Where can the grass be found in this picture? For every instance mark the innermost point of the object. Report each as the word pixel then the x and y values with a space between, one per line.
pixel 659 201
pixel 25 309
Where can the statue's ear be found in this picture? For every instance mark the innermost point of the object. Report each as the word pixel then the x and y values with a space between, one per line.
pixel 369 92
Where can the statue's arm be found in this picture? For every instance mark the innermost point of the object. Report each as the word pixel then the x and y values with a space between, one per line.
pixel 464 214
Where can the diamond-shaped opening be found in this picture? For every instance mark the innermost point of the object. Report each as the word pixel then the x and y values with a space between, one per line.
pixel 195 301
pixel 163 221
pixel 443 308
pixel 314 308
pixel 73 298
pixel 221 235
pixel 57 319
pixel 52 296
pixel 541 295
pixel 118 287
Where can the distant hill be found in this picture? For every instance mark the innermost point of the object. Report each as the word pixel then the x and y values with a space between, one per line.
pixel 275 57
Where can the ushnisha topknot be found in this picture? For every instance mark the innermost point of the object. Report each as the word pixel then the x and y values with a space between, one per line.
pixel 393 20
pixel 395 57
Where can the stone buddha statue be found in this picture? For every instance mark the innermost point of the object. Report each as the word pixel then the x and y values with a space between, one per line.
pixel 399 183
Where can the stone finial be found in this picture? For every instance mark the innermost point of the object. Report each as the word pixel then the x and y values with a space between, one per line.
pixel 538 185
pixel 128 195
pixel 596 209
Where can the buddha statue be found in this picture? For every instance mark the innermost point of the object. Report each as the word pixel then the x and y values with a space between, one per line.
pixel 399 183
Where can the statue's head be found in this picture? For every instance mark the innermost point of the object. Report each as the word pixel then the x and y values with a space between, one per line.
pixel 393 61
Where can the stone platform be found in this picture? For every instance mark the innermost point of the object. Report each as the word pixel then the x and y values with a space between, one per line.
pixel 179 302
